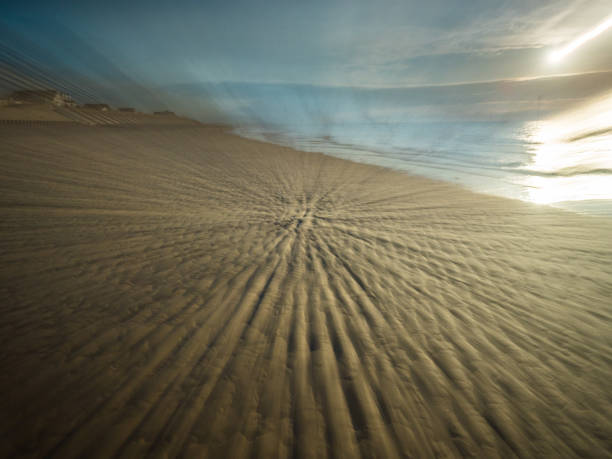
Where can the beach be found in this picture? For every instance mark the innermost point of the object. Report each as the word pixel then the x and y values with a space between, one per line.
pixel 172 289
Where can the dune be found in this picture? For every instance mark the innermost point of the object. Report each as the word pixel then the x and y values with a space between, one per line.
pixel 28 113
pixel 175 290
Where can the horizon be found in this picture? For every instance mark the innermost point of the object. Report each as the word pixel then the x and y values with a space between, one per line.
pixel 135 54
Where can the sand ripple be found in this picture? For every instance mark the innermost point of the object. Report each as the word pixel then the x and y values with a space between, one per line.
pixel 177 291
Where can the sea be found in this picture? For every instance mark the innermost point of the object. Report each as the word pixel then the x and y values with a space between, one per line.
pixel 561 162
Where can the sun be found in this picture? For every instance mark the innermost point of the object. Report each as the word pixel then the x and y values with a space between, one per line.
pixel 559 54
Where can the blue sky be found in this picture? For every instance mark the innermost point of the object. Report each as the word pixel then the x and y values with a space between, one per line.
pixel 138 48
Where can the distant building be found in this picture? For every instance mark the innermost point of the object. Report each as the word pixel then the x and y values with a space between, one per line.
pixel 164 112
pixel 127 109
pixel 41 96
pixel 100 107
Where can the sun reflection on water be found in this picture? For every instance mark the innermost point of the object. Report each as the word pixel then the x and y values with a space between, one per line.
pixel 571 155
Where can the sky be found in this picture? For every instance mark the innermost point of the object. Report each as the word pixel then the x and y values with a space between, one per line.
pixel 220 58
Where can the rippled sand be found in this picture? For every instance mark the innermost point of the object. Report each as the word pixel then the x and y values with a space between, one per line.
pixel 179 291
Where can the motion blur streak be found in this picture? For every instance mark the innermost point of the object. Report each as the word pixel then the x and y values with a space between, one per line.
pixel 582 39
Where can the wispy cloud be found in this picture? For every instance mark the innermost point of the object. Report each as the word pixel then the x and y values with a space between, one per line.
pixel 508 99
pixel 506 40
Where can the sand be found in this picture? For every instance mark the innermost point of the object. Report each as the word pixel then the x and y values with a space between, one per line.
pixel 174 290
pixel 38 113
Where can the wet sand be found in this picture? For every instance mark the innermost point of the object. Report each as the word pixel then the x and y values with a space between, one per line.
pixel 174 290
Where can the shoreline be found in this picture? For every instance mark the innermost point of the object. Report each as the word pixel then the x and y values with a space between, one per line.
pixel 35 114
pixel 592 207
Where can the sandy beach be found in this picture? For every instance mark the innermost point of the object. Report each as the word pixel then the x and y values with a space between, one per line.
pixel 175 290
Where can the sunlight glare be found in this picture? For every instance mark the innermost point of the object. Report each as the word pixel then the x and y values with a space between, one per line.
pixel 559 54
pixel 572 155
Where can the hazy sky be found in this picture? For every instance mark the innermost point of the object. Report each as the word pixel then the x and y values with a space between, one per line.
pixel 331 43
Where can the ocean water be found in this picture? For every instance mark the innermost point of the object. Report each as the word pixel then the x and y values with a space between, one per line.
pixel 558 162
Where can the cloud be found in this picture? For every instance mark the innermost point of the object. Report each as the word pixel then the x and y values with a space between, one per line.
pixel 489 41
pixel 333 43
pixel 513 99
